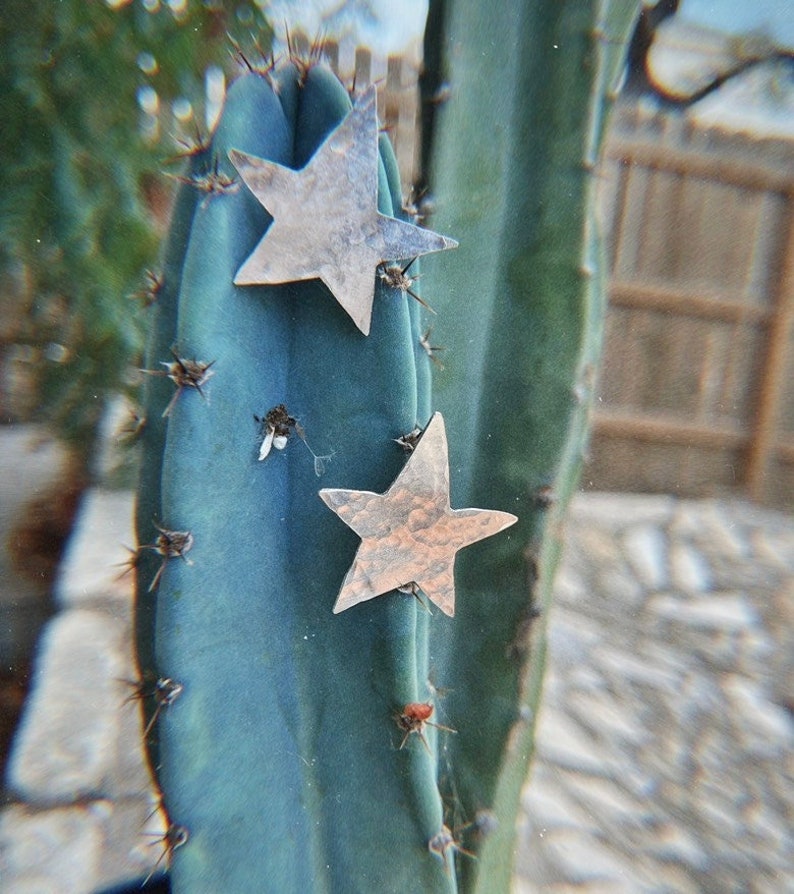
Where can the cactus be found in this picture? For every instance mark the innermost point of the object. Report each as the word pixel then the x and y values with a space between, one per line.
pixel 529 103
pixel 299 750
pixel 285 707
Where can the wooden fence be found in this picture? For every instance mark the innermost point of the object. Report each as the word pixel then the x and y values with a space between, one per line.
pixel 697 387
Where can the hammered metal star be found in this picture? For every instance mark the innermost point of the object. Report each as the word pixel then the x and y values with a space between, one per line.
pixel 410 534
pixel 326 223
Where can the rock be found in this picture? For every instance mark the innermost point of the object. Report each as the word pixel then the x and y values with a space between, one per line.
pixel 690 570
pixel 548 805
pixel 581 858
pixel 50 852
pixel 607 800
pixel 659 731
pixel 625 669
pixel 571 638
pixel 607 718
pixel 646 551
pixel 615 511
pixel 598 545
pixel 775 547
pixel 780 665
pixel 620 587
pixel 673 843
pixel 563 743
pixel 770 828
pixel 569 583
pixel 584 678
pixel 766 728
pixel 718 820
pixel 96 557
pixel 713 526
pixel 67 745
pixel 726 612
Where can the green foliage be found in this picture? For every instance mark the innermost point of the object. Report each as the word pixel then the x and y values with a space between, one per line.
pixel 78 202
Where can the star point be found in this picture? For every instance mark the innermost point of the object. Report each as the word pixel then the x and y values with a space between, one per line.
pixel 409 534
pixel 326 224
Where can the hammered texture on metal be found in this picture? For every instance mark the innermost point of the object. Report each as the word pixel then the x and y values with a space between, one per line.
pixel 410 534
pixel 326 223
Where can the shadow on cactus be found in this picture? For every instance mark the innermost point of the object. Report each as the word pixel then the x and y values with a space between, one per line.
pixel 317 743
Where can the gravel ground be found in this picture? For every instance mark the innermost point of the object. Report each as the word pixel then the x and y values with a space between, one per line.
pixel 665 760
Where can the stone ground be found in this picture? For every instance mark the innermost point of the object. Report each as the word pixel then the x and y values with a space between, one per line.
pixel 665 760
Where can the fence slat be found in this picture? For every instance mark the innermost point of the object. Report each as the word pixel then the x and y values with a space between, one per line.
pixel 670 429
pixel 724 170
pixel 701 304
pixel 699 356
pixel 772 379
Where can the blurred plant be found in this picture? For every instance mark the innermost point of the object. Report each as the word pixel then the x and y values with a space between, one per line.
pixel 84 88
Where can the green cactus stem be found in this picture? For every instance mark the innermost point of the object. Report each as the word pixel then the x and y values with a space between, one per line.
pixel 521 314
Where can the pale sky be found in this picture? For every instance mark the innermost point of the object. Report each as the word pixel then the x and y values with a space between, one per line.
pixel 773 18
pixel 384 26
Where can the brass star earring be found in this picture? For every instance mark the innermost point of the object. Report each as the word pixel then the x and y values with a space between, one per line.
pixel 410 534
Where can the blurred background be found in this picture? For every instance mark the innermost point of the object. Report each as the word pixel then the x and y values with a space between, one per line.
pixel 665 750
